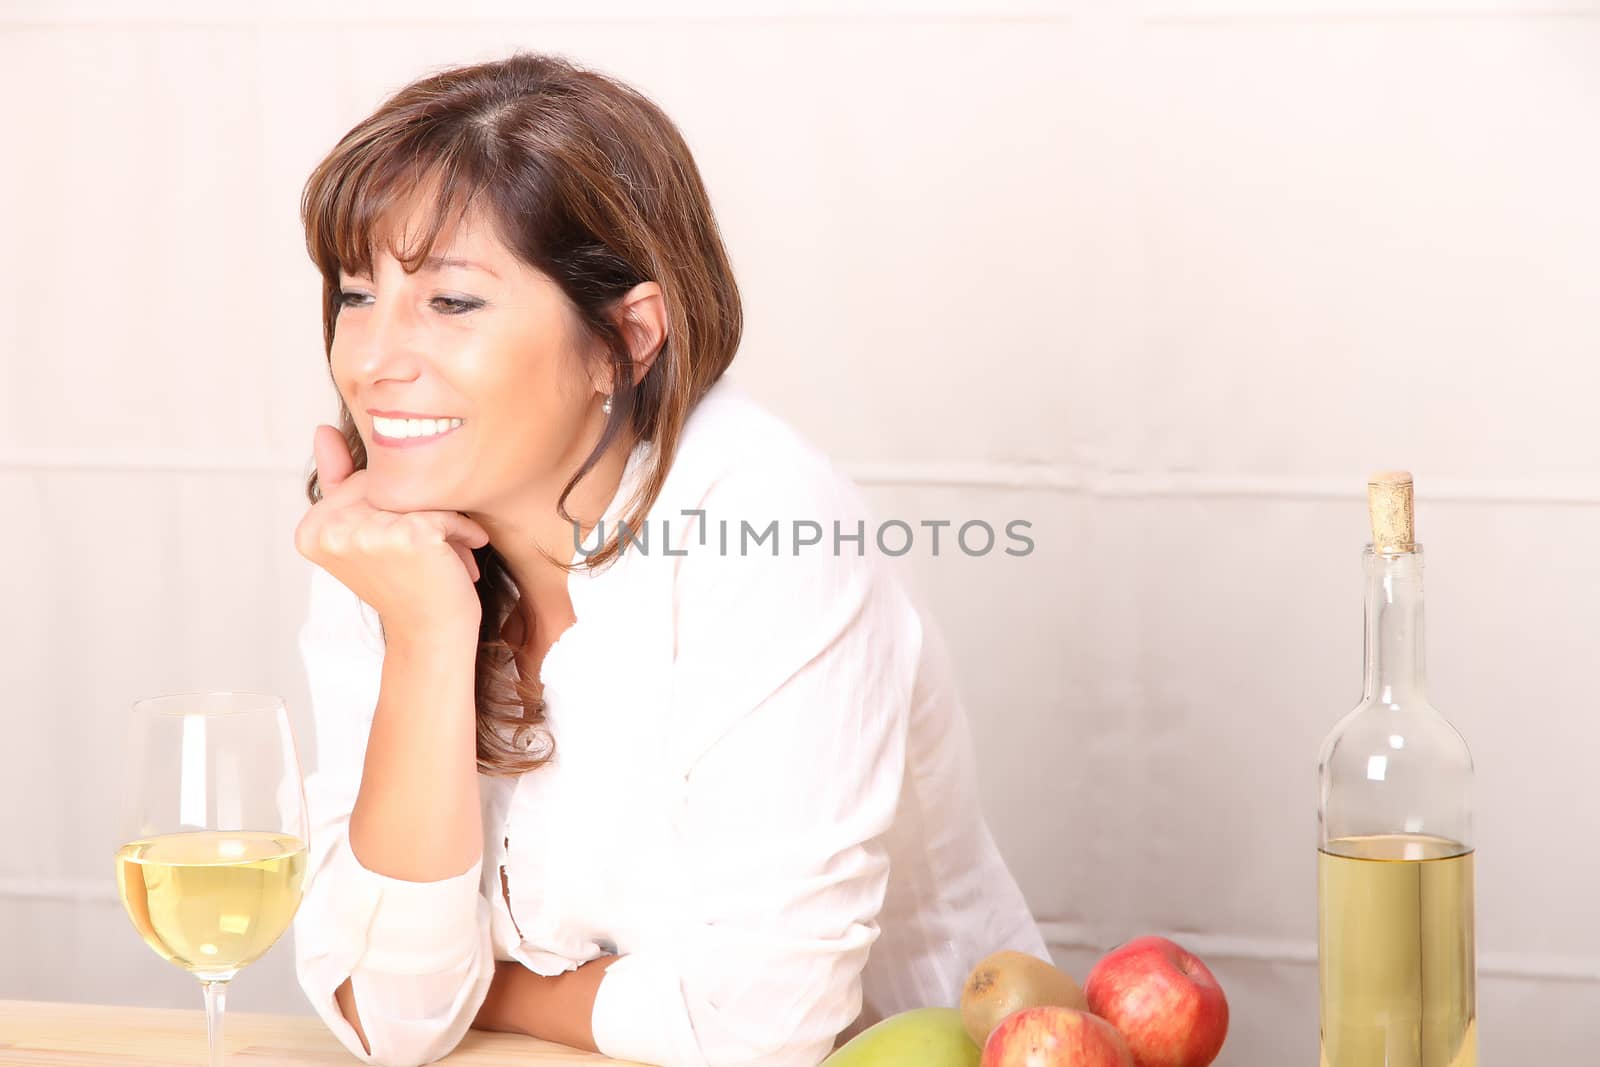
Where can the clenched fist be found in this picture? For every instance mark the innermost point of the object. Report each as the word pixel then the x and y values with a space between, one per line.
pixel 414 567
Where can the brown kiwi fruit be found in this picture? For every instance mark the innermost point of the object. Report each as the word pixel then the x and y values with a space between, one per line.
pixel 1007 982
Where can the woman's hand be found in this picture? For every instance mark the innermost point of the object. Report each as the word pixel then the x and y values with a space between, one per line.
pixel 414 567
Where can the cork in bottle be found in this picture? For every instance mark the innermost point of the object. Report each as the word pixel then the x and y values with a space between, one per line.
pixel 1390 502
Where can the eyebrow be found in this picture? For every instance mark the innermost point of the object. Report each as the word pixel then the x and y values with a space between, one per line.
pixel 441 262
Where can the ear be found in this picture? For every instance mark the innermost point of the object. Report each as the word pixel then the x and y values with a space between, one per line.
pixel 641 315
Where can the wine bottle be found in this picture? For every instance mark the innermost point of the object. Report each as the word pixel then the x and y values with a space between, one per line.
pixel 1395 920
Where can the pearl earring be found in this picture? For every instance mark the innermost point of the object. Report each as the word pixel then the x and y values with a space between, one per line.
pixel 605 409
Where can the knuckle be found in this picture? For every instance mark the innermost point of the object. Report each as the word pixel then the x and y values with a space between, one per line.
pixel 368 537
pixel 334 534
pixel 305 541
pixel 420 532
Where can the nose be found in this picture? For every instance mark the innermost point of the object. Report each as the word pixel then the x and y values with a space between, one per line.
pixel 386 343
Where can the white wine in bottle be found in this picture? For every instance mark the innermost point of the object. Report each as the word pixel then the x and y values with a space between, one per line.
pixel 1396 944
pixel 212 901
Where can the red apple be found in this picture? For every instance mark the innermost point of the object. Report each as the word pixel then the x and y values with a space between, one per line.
pixel 1051 1036
pixel 1163 1000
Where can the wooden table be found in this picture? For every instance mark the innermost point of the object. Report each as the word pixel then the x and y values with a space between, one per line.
pixel 36 1033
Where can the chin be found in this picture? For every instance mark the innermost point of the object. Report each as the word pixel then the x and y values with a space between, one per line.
pixel 387 496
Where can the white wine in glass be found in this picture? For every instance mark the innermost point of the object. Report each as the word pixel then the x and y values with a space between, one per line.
pixel 214 831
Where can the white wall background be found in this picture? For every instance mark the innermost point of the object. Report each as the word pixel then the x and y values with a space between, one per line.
pixel 1167 279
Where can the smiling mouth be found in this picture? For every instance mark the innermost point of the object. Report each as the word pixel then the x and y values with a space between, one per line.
pixel 386 429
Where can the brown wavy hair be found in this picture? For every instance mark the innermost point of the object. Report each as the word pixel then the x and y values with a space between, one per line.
pixel 588 182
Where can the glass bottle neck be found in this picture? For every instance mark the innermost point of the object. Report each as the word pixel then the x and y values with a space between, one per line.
pixel 1394 667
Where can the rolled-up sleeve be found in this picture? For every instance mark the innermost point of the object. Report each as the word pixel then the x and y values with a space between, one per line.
pixel 790 698
pixel 418 954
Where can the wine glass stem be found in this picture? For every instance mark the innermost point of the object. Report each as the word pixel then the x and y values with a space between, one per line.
pixel 216 996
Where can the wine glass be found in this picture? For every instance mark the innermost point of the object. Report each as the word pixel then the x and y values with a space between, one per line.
pixel 214 825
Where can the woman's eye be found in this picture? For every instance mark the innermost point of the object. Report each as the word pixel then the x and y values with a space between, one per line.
pixel 447 305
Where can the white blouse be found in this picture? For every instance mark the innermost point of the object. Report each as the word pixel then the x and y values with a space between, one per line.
pixel 763 794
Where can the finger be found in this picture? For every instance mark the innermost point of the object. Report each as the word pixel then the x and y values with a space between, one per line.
pixel 454 526
pixel 468 559
pixel 334 463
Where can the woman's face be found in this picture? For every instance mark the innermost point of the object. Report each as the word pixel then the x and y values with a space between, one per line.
pixel 485 352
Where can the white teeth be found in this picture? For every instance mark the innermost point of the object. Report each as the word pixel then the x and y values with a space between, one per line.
pixel 402 428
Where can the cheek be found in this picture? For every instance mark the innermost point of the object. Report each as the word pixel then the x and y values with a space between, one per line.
pixel 338 370
pixel 533 435
pixel 525 432
pixel 532 408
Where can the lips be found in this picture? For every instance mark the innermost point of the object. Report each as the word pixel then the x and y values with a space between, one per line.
pixel 405 430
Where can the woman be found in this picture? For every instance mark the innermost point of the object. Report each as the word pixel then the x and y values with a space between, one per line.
pixel 628 738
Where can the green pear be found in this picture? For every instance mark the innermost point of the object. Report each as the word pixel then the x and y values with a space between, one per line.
pixel 921 1037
